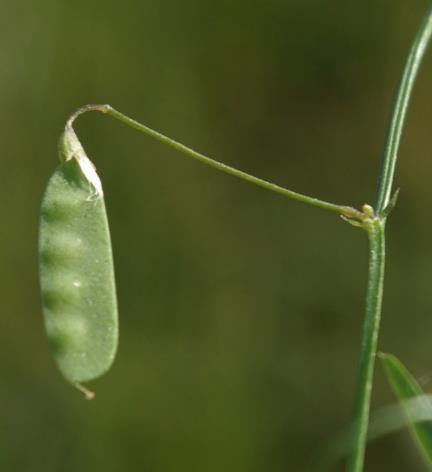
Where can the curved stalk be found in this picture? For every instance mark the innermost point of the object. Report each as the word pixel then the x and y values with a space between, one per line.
pixel 376 234
pixel 344 210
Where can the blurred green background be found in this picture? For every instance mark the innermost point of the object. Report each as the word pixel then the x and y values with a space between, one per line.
pixel 240 310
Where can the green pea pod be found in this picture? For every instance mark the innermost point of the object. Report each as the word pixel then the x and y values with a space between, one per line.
pixel 76 268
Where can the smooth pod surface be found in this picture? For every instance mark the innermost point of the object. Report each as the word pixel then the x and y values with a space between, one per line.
pixel 77 275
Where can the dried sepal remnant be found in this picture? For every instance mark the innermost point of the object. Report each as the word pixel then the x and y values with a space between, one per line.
pixel 76 268
pixel 70 148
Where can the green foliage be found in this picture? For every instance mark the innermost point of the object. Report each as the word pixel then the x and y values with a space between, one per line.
pixel 405 387
pixel 67 335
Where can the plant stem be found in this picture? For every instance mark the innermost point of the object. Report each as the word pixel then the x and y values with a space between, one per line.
pixel 376 234
pixel 385 181
pixel 344 210
pixel 375 229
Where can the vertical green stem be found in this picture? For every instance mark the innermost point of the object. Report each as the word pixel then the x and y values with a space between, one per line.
pixel 375 229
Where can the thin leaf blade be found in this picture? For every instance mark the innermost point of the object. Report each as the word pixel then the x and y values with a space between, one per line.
pixel 405 387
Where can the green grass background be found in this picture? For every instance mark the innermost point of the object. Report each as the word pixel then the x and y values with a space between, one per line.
pixel 240 310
